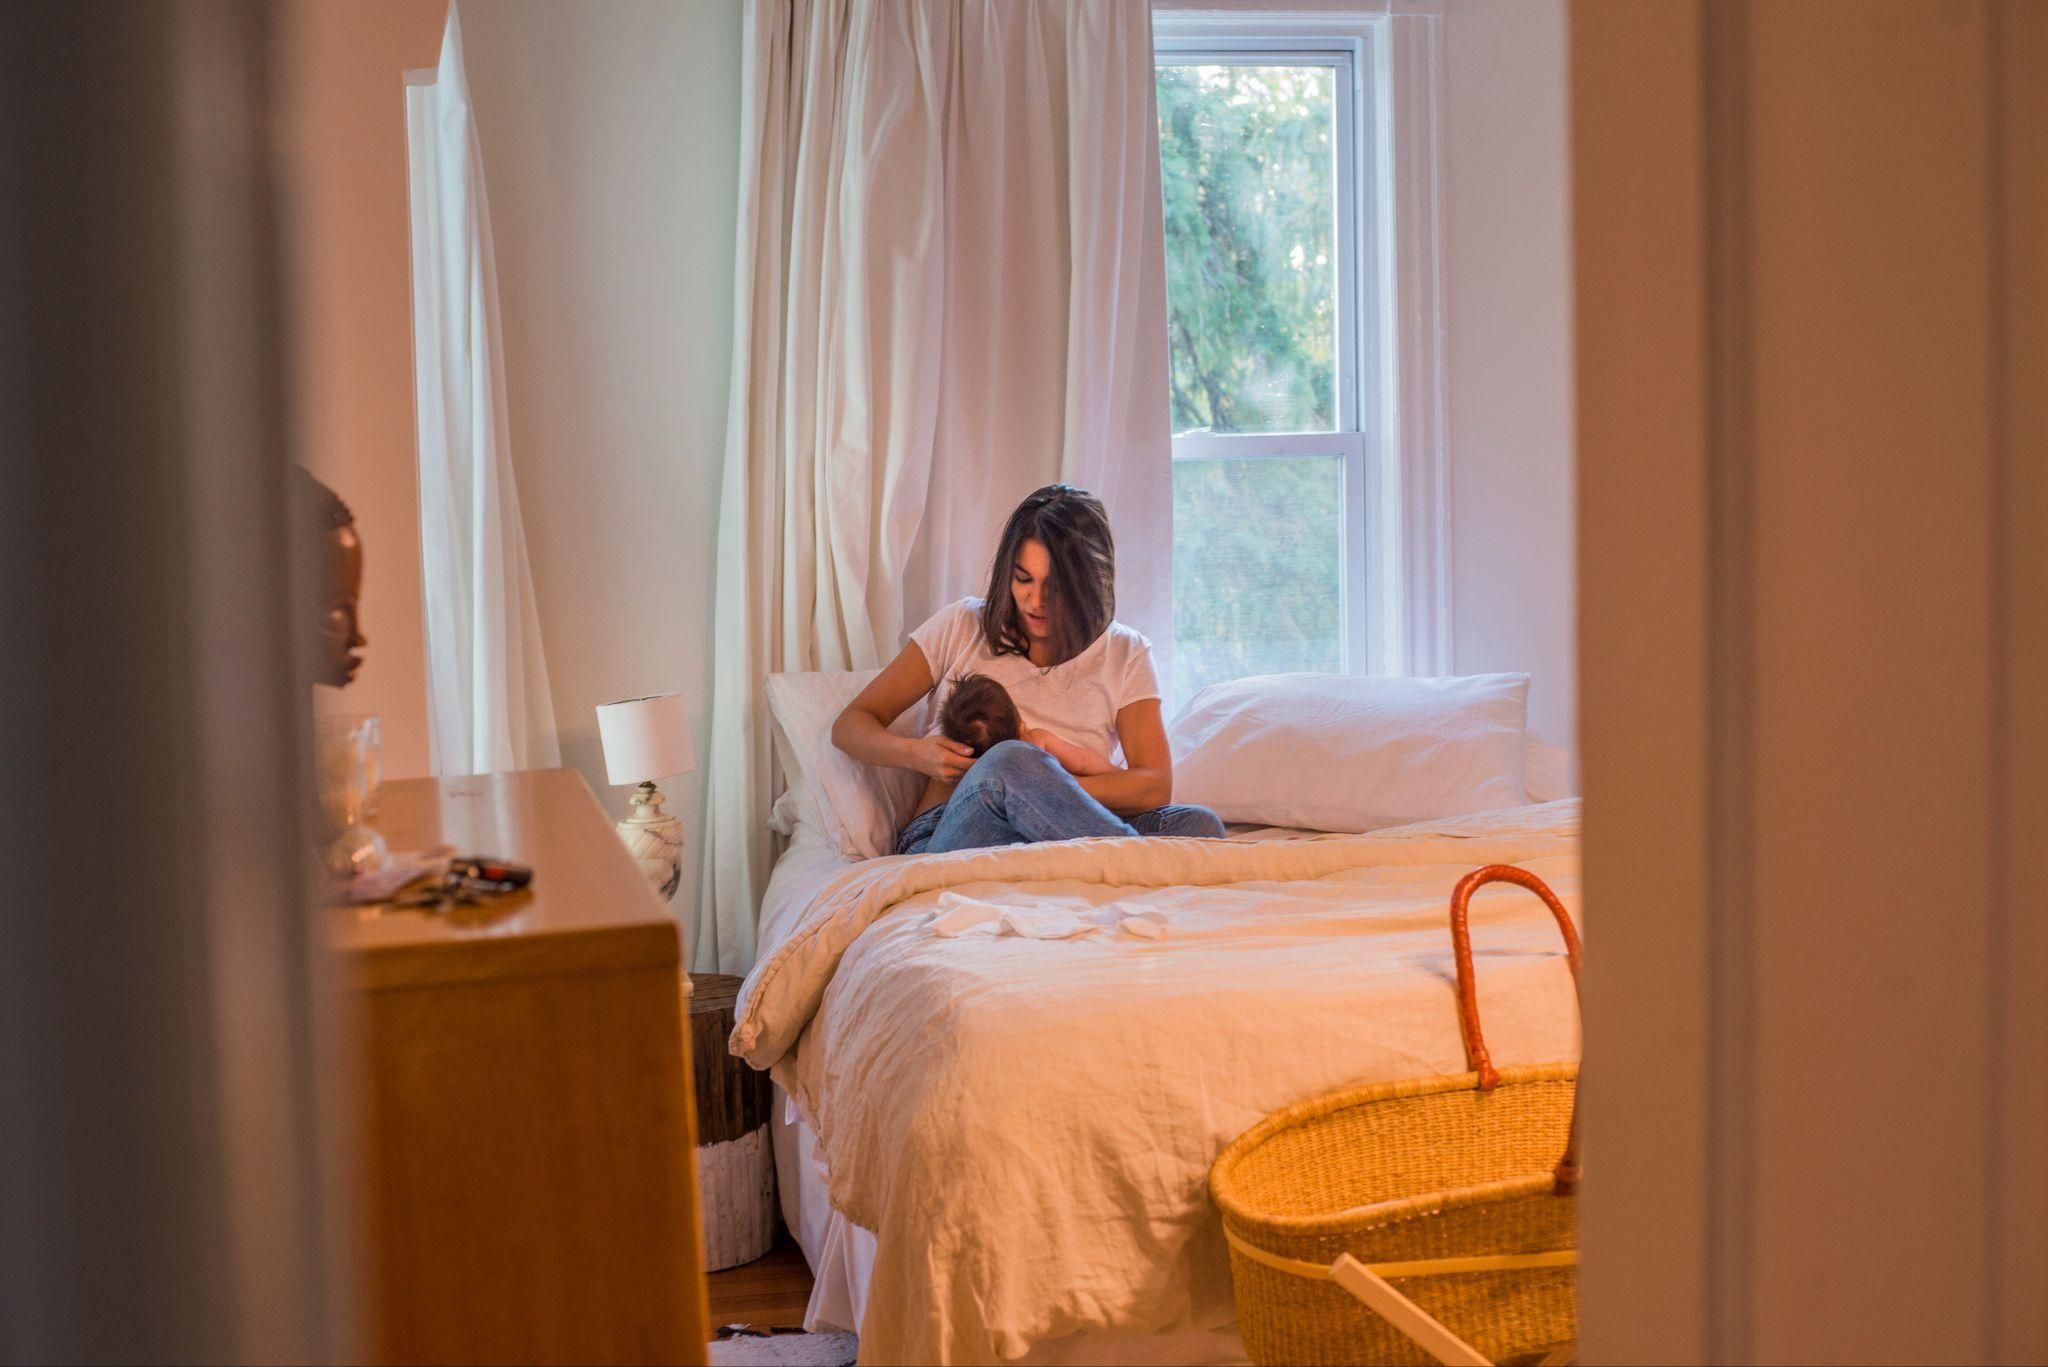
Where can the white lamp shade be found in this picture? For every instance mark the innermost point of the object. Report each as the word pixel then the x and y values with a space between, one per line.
pixel 645 738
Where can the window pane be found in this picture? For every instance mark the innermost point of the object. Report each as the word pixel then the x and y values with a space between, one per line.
pixel 1247 163
pixel 1256 568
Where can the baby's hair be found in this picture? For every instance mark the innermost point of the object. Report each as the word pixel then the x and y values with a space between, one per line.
pixel 979 714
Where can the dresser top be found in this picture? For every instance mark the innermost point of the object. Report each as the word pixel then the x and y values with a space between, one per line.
pixel 589 907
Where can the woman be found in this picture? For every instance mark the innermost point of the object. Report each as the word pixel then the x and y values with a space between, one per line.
pixel 1044 632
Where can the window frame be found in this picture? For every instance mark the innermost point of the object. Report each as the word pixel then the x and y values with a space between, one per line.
pixel 1395 605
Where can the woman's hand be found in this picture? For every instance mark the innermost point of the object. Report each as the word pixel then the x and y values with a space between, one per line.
pixel 1075 758
pixel 862 730
pixel 942 759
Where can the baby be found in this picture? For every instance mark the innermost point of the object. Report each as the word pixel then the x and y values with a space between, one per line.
pixel 979 714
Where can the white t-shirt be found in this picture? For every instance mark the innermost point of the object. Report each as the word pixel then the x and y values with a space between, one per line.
pixel 1076 701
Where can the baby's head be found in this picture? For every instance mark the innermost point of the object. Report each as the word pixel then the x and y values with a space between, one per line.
pixel 978 713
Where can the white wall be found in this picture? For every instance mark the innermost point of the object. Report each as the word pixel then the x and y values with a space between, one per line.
pixel 610 136
pixel 348 297
pixel 610 146
pixel 1508 275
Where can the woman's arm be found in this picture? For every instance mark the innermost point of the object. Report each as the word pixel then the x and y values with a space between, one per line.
pixel 1075 759
pixel 862 730
pixel 1146 780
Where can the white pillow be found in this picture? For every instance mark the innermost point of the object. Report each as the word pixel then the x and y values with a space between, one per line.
pixel 857 807
pixel 1346 752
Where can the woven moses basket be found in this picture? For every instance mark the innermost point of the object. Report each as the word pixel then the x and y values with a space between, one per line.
pixel 1421 1221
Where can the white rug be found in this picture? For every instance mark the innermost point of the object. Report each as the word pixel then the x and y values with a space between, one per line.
pixel 785 1350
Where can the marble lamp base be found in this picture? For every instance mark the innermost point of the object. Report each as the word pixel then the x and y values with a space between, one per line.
pixel 655 840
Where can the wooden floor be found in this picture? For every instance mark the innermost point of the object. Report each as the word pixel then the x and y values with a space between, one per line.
pixel 770 1292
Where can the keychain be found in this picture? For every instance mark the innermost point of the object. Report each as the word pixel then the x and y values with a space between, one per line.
pixel 471 880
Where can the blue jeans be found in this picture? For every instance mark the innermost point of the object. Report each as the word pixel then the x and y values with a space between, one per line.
pixel 1016 794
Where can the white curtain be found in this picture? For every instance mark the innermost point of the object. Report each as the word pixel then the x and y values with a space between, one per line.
pixel 950 290
pixel 487 682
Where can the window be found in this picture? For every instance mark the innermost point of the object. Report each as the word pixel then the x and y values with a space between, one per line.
pixel 1289 532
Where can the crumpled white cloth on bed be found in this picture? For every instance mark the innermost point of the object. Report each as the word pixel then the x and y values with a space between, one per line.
pixel 1027 1126
pixel 957 915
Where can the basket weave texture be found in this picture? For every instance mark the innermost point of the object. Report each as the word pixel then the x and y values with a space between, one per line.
pixel 1410 1171
pixel 1401 1172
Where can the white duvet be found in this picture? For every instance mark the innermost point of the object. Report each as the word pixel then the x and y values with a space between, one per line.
pixel 1026 1124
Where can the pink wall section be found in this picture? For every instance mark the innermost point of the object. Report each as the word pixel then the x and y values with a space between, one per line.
pixel 340 100
pixel 610 136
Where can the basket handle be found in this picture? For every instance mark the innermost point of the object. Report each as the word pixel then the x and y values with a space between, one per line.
pixel 1476 1056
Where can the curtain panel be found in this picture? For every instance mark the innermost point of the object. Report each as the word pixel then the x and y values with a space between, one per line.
pixel 489 707
pixel 950 290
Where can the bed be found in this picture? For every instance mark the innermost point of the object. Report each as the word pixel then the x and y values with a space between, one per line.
pixel 993 1147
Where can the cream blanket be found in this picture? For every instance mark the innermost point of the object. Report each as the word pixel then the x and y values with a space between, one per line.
pixel 1027 1124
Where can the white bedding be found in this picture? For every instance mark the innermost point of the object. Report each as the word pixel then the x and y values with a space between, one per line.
pixel 841 1254
pixel 812 860
pixel 1026 1125
pixel 799 875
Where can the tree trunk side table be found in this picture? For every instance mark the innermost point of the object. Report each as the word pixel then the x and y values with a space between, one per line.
pixel 735 1161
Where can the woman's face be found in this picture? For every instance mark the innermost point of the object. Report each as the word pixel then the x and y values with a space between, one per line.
pixel 341 636
pixel 1029 582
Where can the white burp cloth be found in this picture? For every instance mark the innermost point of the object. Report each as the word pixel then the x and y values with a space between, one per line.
pixel 956 915
pixel 1147 923
pixel 1045 925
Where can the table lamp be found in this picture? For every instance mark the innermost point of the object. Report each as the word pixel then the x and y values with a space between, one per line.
pixel 645 739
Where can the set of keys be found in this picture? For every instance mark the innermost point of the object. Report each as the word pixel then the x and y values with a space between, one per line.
pixel 469 881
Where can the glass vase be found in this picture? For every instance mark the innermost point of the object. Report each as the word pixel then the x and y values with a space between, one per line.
pixel 346 764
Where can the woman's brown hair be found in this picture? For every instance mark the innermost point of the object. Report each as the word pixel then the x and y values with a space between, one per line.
pixel 1081 592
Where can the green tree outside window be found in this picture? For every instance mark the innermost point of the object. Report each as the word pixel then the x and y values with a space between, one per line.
pixel 1248 179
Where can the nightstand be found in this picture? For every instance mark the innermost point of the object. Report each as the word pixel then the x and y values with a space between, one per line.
pixel 735 1161
pixel 528 1189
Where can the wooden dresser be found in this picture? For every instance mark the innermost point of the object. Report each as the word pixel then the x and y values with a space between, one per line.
pixel 529 1192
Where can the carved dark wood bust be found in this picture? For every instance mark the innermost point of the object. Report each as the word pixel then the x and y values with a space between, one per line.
pixel 341 585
